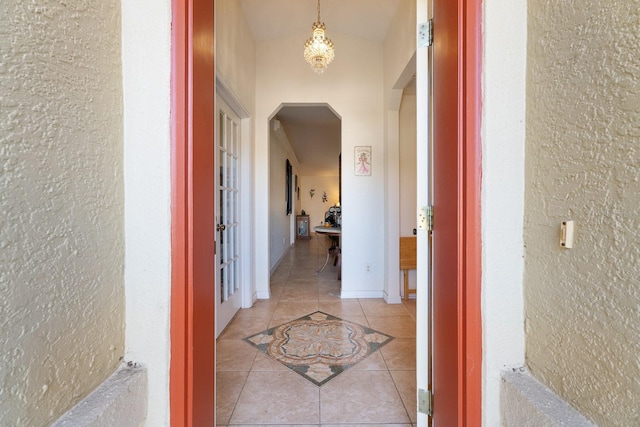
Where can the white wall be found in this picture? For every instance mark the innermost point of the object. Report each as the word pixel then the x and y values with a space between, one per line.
pixel 236 71
pixel 280 224
pixel 146 76
pixel 399 67
pixel 354 91
pixel 314 206
pixel 408 173
pixel 503 115
pixel 62 301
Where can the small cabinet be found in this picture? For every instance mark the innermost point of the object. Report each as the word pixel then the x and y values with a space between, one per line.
pixel 302 227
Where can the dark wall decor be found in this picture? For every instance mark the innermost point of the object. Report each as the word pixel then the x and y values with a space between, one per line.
pixel 289 187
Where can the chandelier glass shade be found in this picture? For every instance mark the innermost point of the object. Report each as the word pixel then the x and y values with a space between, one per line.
pixel 318 49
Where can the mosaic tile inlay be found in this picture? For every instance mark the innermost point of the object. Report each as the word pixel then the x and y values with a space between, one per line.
pixel 319 346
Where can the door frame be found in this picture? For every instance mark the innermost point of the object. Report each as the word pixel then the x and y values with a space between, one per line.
pixel 184 394
pixel 457 311
pixel 192 322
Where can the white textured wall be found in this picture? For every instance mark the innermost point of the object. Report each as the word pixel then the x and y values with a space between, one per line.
pixel 583 124
pixel 62 204
pixel 146 58
pixel 503 138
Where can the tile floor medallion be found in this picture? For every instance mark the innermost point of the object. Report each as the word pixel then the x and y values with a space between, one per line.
pixel 319 346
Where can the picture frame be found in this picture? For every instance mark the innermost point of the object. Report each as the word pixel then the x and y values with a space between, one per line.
pixel 289 187
pixel 362 160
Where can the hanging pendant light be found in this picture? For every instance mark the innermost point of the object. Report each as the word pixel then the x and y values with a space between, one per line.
pixel 318 50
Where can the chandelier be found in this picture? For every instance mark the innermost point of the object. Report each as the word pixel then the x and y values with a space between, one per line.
pixel 318 50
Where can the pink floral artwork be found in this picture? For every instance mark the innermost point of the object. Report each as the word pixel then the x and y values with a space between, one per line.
pixel 363 161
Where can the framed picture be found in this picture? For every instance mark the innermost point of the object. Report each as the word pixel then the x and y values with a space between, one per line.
pixel 289 187
pixel 362 160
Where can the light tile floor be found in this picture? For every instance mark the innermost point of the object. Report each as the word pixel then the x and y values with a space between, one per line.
pixel 252 389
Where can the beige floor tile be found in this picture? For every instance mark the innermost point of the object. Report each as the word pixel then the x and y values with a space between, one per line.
pixel 287 311
pixel 375 362
pixel 329 295
pixel 361 397
pixel 399 327
pixel 261 308
pixel 410 305
pixel 263 362
pixel 228 388
pixel 360 320
pixel 379 308
pixel 406 384
pixel 234 355
pixel 277 397
pixel 341 308
pixel 400 354
pixel 308 293
pixel 244 327
pixel 365 425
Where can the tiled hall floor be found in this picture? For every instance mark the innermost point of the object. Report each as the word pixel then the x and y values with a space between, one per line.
pixel 253 389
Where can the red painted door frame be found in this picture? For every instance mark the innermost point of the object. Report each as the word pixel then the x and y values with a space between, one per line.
pixel 192 369
pixel 457 171
pixel 457 330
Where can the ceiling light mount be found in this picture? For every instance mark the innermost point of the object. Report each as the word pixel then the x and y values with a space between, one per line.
pixel 318 49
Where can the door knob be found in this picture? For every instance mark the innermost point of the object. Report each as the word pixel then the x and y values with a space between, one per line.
pixel 220 227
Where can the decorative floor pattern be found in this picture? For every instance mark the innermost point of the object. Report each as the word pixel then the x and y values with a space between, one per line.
pixel 319 346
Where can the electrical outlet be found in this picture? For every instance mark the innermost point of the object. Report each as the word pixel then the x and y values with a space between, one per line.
pixel 367 268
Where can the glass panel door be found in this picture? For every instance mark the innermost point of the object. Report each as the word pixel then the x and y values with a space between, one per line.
pixel 227 216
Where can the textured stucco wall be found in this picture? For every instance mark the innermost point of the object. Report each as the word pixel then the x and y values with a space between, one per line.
pixel 583 163
pixel 61 198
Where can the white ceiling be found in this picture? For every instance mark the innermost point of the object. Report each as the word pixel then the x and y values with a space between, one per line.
pixel 367 19
pixel 314 134
pixel 314 131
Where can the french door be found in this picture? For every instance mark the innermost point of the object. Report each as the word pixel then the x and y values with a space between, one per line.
pixel 227 215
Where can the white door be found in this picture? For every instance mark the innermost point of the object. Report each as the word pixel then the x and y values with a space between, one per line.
pixel 227 210
pixel 424 169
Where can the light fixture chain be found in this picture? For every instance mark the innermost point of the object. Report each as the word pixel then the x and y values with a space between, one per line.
pixel 318 10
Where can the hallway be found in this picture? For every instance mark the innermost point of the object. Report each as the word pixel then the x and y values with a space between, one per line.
pixel 254 389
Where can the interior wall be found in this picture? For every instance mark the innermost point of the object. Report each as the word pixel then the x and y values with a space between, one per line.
pixel 583 122
pixel 314 206
pixel 503 136
pixel 236 69
pixel 354 91
pixel 147 173
pixel 280 224
pixel 408 172
pixel 408 165
pixel 62 202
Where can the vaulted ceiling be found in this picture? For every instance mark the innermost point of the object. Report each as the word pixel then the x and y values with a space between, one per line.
pixel 314 131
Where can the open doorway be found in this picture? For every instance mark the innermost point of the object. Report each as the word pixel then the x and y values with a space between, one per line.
pixel 360 102
pixel 307 136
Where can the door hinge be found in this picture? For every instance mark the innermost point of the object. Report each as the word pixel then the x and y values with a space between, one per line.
pixel 430 217
pixel 425 402
pixel 425 218
pixel 425 34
